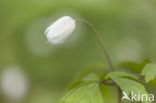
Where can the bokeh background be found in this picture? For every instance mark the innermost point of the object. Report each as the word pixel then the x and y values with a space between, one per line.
pixel 33 71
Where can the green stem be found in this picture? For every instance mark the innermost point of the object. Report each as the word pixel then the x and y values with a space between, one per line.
pixel 119 94
pixel 100 41
pixel 107 83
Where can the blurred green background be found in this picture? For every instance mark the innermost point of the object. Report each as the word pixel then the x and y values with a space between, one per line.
pixel 127 27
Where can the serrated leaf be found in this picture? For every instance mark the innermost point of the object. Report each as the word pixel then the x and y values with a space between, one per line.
pixel 120 74
pixel 85 94
pixel 91 77
pixel 149 71
pixel 87 79
pixel 132 66
pixel 97 68
pixel 128 86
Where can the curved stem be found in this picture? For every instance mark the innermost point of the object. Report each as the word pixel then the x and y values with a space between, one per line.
pixel 100 41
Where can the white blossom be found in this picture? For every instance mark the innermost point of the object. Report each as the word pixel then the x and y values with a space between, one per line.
pixel 60 30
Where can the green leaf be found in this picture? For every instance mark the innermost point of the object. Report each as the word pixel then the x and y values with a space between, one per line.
pixel 108 93
pixel 97 68
pixel 149 71
pixel 87 79
pixel 84 94
pixel 128 86
pixel 120 74
pixel 91 77
pixel 87 91
pixel 132 66
pixel 129 66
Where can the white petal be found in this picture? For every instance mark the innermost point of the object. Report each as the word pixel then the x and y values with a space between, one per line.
pixel 60 30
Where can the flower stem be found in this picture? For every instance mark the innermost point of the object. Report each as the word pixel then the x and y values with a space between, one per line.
pixel 100 41
pixel 119 94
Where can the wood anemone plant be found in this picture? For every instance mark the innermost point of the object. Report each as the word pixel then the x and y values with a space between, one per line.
pixel 88 89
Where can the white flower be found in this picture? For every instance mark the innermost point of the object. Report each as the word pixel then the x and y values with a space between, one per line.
pixel 60 30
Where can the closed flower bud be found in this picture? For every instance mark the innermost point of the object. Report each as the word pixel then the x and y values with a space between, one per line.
pixel 60 30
